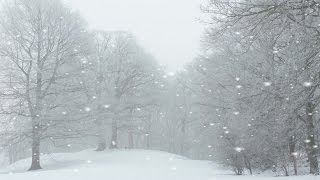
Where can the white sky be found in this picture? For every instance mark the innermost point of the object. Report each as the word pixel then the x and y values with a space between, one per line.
pixel 168 29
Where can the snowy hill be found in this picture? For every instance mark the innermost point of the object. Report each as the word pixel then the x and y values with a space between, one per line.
pixel 124 165
pixel 113 165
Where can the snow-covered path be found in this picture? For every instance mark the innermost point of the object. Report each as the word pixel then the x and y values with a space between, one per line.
pixel 124 165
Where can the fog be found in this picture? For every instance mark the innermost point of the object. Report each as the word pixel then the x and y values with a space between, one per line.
pixel 159 89
pixel 169 29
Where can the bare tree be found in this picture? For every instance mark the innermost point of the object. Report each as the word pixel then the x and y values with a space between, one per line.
pixel 283 29
pixel 39 38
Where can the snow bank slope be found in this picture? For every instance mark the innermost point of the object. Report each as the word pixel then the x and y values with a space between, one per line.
pixel 113 165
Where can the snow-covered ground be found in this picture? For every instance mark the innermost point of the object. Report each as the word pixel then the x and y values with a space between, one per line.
pixel 125 165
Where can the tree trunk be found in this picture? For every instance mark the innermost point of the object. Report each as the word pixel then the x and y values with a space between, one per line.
pixel 36 121
pixel 114 135
pixel 285 170
pixel 130 140
pixel 12 154
pixel 35 165
pixel 183 132
pixel 148 141
pixel 292 145
pixel 138 141
pixel 102 145
pixel 102 142
pixel 310 143
pixel 247 163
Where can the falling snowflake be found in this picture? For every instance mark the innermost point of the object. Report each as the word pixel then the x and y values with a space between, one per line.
pixel 267 84
pixel 238 149
pixel 307 84
pixel 87 109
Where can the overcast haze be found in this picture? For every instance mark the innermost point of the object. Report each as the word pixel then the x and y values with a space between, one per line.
pixel 168 29
pixel 85 101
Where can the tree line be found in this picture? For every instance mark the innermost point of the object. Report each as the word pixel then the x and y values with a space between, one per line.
pixel 249 100
pixel 261 59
